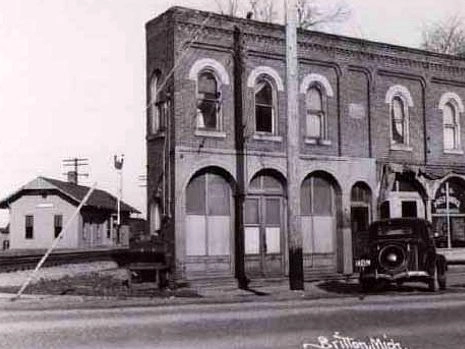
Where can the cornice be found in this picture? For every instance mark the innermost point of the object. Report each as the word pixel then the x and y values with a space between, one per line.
pixel 367 51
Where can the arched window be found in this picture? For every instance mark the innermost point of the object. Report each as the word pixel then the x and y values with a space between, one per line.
pixel 265 106
pixel 398 121
pixel 155 218
pixel 208 101
pixel 154 108
pixel 451 127
pixel 315 120
pixel 208 215
pixel 448 214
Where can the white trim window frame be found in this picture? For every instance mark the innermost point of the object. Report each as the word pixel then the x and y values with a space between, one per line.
pixel 321 112
pixel 155 112
pixel 451 123
pixel 399 123
pixel 262 82
pixel 206 101
pixel 400 100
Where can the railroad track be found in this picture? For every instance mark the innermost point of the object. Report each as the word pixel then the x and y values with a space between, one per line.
pixel 23 260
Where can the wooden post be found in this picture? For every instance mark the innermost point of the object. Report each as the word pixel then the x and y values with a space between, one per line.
pixel 296 275
pixel 240 159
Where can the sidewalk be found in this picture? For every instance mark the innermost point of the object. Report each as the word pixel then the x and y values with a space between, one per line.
pixel 259 291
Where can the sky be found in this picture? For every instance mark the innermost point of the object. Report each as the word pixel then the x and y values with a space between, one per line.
pixel 72 80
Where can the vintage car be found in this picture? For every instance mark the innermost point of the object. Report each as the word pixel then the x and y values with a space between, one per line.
pixel 400 250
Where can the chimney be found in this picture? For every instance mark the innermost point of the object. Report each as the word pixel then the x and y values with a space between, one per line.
pixel 72 177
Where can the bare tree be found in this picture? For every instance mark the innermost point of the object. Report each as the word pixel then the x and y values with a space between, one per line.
pixel 445 36
pixel 228 7
pixel 311 15
pixel 263 10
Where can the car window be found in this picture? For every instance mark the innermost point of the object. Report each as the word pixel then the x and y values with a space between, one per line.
pixel 388 231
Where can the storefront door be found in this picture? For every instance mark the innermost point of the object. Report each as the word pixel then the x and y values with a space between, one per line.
pixel 263 235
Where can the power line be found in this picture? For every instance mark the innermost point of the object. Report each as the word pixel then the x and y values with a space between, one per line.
pixel 76 164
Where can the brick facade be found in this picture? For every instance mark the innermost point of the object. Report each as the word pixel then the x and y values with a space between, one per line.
pixel 356 79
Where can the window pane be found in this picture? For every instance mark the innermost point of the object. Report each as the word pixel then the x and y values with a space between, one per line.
pixel 397 131
pixel 29 225
pixel 270 182
pixel 263 94
pixel 322 192
pixel 397 121
pixel 360 194
pixel 457 231
pixel 155 219
pixel 218 195
pixel 449 115
pixel 397 109
pixel 264 118
pixel 264 107
pixel 207 114
pixel 314 100
pixel 306 198
pixel 251 211
pixel 195 196
pixel 273 212
pixel 449 138
pixel 207 85
pixel 313 126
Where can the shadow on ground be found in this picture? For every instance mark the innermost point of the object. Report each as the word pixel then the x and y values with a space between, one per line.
pixel 346 288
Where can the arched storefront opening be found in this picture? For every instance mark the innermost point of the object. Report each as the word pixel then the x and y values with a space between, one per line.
pixel 360 216
pixel 406 199
pixel 448 213
pixel 209 224
pixel 320 209
pixel 264 219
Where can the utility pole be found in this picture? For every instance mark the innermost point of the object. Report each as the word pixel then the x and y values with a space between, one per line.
pixel 296 274
pixel 239 65
pixel 75 163
pixel 119 171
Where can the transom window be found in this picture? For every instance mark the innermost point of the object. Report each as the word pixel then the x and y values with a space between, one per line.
pixel 315 116
pixel 451 127
pixel 317 196
pixel 398 121
pixel 208 101
pixel 264 106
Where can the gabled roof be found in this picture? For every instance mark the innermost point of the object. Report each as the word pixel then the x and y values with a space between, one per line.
pixel 99 199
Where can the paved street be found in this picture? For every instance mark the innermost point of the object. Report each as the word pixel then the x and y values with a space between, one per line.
pixel 416 321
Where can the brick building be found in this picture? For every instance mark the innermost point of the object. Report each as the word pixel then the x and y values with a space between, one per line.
pixel 380 136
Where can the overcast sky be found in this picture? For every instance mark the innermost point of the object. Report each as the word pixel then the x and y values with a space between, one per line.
pixel 72 80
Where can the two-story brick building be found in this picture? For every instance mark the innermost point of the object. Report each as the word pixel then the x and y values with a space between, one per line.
pixel 381 135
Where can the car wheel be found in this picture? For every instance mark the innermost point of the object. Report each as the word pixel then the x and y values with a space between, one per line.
pixel 433 281
pixel 442 281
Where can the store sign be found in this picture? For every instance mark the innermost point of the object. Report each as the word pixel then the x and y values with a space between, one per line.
pixel 440 204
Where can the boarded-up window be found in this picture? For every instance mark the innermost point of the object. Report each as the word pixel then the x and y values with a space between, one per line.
pixel 195 196
pixel 318 215
pixel 251 211
pixel 208 221
pixel 315 114
pixel 218 196
pixel 317 197
pixel 29 226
